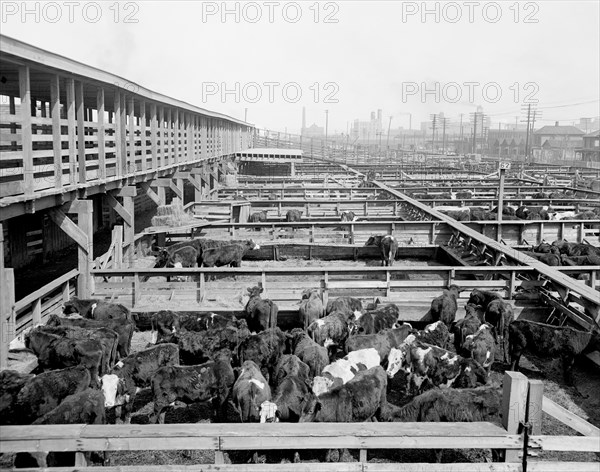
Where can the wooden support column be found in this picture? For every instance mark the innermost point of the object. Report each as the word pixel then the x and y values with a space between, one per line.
pixel 80 131
pixel 146 187
pixel 56 133
pixel 123 143
pixel 514 402
pixel 168 139
pixel 153 135
pixel 25 95
pixel 127 212
pixel 101 135
pixel 7 314
pixel 143 145
pixel 118 132
pixel 71 130
pixel 131 158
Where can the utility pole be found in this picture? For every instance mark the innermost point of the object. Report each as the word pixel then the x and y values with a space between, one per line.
pixel 434 122
pixel 326 124
pixel 444 123
pixel 527 135
pixel 387 143
pixel 246 115
pixel 474 148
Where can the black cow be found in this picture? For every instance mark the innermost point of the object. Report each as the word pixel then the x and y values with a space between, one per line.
pixel 134 373
pixel 372 322
pixel 264 349
pixel 56 352
pixel 348 305
pixel 311 307
pixel 258 217
pixel 228 255
pixel 123 328
pixel 360 399
pixel 388 246
pixel 186 256
pixel 47 390
pixel 261 312
pixel 293 215
pixel 550 341
pixel 97 309
pixel 308 351
pixel 348 216
pixel 249 392
pixel 443 308
pixel 500 314
pixel 211 381
pixel 11 383
pixel 287 401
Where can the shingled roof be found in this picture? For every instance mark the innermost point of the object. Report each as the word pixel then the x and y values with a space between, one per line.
pixel 559 131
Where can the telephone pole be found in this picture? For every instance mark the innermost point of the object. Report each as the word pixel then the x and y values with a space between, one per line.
pixel 433 125
pixel 474 146
pixel 530 113
pixel 444 123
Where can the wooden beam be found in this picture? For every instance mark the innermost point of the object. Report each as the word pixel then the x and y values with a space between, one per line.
pixel 129 230
pixel 173 186
pixel 570 419
pixel 56 129
pixel 127 191
pixel 534 406
pixel 131 158
pixel 145 186
pixel 144 147
pixel 26 137
pixel 68 226
pixel 80 131
pixel 71 124
pixel 123 213
pixel 118 132
pixel 153 135
pixel 85 281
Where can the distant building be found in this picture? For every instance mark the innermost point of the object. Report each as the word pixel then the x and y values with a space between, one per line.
pixel 556 142
pixel 591 147
pixel 507 142
pixel 368 130
pixel 313 131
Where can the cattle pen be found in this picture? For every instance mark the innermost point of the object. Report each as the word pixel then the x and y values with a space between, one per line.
pixel 126 152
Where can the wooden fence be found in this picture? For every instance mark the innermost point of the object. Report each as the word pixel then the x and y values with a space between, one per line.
pixel 519 435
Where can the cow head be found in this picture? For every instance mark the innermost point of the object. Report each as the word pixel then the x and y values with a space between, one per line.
pixel 162 257
pixel 355 328
pixel 472 375
pixel 113 389
pixel 72 306
pixel 255 291
pixel 373 241
pixel 321 385
pixel 310 409
pixel 268 412
pixel 252 245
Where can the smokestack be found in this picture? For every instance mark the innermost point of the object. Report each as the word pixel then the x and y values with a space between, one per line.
pixel 303 119
pixel 372 116
pixel 379 115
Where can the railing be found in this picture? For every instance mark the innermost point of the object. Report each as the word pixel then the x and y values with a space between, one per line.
pixel 218 288
pixel 522 404
pixel 34 308
pixel 409 233
pixel 114 128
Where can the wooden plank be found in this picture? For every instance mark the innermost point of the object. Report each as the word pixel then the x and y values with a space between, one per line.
pixel 131 157
pixel 565 443
pixel 220 467
pixel 27 147
pixel 56 129
pixel 143 147
pixel 547 466
pixel 153 135
pixel 570 419
pixel 534 406
pixel 452 467
pixel 118 132
pixel 123 213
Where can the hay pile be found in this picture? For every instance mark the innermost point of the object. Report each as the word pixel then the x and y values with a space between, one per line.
pixel 172 215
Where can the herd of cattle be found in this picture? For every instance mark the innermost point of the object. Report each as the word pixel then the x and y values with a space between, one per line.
pixel 339 364
pixel 564 253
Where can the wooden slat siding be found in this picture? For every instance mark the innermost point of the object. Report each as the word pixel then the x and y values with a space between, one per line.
pixel 153 135
pixel 56 129
pixel 26 132
pixel 131 157
pixel 144 147
pixel 123 135
pixel 80 107
pixel 101 134
pixel 118 133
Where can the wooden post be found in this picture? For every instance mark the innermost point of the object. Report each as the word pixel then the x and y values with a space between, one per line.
pixel 118 131
pixel 85 281
pixel 534 406
pixel 7 320
pixel 131 164
pixel 153 135
pixel 25 95
pixel 56 133
pixel 143 145
pixel 129 231
pixel 80 131
pixel 101 135
pixel 514 402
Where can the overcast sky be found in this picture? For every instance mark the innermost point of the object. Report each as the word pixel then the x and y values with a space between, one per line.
pixel 348 57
